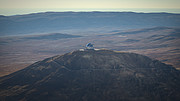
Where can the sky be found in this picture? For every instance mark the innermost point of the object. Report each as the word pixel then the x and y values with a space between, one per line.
pixel 14 5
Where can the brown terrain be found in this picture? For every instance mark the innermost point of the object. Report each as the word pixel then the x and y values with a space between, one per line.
pixel 93 75
pixel 161 43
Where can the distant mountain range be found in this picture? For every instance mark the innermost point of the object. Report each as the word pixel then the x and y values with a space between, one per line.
pixel 89 75
pixel 50 22
pixel 52 36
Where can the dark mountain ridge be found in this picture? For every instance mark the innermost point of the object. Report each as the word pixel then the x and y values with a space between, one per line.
pixel 91 75
pixel 51 36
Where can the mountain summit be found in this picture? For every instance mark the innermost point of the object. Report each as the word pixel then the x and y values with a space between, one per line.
pixel 90 75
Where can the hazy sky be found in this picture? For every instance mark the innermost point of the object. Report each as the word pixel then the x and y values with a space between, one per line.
pixel 14 7
pixel 89 3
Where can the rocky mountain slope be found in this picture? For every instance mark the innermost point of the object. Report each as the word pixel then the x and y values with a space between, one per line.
pixel 102 75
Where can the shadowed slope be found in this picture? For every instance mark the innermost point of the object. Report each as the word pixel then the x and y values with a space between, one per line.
pixel 102 75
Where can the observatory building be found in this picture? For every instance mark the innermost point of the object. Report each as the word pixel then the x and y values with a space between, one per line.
pixel 89 46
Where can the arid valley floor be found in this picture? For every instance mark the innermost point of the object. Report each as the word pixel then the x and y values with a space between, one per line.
pixel 161 43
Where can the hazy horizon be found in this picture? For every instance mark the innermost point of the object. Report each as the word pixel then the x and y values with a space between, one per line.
pixel 21 11
pixel 19 7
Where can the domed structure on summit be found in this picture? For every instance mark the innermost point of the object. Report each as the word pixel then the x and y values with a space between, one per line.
pixel 89 46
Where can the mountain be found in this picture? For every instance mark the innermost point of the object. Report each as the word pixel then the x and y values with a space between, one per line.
pixel 52 36
pixel 161 43
pixel 40 37
pixel 101 75
pixel 50 22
